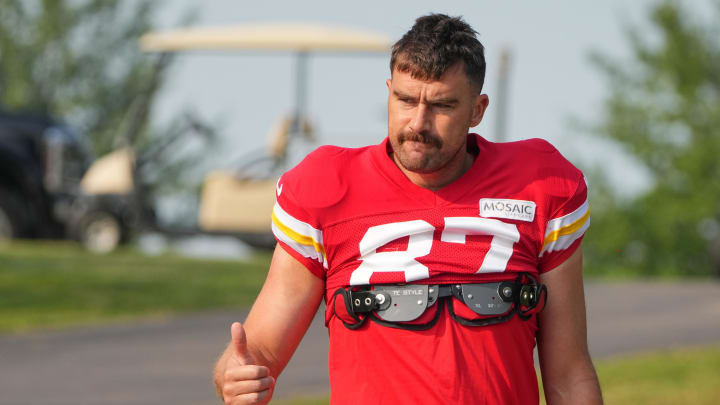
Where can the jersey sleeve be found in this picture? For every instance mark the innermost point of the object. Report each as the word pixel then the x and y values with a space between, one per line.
pixel 565 228
pixel 294 228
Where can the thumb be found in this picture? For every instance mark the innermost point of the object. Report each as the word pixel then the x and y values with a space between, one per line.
pixel 239 343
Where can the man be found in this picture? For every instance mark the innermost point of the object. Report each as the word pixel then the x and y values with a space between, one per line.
pixel 427 250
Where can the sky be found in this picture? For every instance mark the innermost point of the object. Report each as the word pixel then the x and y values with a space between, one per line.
pixel 552 81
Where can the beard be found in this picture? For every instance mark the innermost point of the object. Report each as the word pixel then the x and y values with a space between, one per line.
pixel 432 158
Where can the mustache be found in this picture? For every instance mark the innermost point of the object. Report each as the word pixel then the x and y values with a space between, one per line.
pixel 421 137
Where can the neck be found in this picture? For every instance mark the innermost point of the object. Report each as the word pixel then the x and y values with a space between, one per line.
pixel 442 177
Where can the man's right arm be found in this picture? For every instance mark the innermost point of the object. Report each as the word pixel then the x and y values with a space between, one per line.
pixel 260 349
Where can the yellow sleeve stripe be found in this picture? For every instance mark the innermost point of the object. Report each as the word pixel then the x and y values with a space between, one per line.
pixel 298 238
pixel 566 230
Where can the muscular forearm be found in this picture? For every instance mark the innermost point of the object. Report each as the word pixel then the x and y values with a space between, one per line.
pixel 567 370
pixel 582 388
pixel 262 346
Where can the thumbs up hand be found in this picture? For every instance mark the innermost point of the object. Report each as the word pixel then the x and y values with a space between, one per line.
pixel 239 344
pixel 244 382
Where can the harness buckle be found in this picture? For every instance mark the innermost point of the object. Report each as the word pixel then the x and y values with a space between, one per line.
pixel 403 303
pixel 488 299
pixel 528 298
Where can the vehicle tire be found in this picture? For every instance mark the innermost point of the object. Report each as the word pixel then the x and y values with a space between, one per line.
pixel 12 215
pixel 258 240
pixel 100 232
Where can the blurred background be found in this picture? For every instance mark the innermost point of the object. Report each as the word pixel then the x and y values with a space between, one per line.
pixel 139 153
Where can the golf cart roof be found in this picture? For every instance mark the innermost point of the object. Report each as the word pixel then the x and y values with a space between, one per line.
pixel 267 36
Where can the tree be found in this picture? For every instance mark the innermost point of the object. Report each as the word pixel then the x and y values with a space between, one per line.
pixel 79 61
pixel 664 109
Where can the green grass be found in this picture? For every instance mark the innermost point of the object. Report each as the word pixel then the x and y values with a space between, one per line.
pixel 49 285
pixel 684 376
pixel 670 377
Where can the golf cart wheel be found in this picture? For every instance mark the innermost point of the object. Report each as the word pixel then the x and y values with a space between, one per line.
pixel 100 232
pixel 11 215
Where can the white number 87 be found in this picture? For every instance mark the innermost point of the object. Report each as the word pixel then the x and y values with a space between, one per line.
pixel 420 241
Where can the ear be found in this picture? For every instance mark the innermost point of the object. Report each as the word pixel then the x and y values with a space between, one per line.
pixel 481 104
pixel 388 83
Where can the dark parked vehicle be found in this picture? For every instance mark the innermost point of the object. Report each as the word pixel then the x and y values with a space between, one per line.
pixel 50 190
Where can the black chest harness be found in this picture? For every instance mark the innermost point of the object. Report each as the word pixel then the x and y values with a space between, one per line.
pixel 402 305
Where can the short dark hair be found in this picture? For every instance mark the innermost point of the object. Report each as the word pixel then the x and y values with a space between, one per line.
pixel 435 43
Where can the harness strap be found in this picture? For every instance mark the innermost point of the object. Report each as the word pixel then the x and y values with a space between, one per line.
pixel 494 302
pixel 479 322
pixel 347 301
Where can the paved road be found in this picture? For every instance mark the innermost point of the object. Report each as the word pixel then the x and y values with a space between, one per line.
pixel 169 361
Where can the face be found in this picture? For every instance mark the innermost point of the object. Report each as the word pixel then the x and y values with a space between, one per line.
pixel 428 120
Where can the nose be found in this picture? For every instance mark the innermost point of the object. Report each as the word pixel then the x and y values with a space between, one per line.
pixel 421 119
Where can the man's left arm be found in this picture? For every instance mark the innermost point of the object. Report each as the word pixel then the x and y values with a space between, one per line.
pixel 567 371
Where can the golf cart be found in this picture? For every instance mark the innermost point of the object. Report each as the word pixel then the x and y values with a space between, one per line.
pixel 239 201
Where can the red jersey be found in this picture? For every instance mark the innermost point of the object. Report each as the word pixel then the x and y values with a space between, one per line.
pixel 353 218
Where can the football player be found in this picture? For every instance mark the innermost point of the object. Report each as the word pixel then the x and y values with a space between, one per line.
pixel 443 258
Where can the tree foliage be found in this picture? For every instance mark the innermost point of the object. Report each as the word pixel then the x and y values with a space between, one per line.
pixel 75 60
pixel 664 109
pixel 79 61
